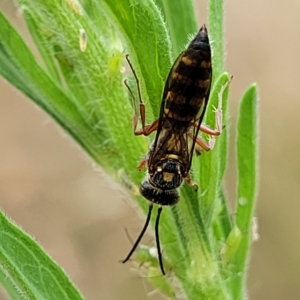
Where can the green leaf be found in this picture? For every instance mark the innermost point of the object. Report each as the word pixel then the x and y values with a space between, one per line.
pixel 247 144
pixel 41 41
pixel 29 272
pixel 19 66
pixel 222 224
pixel 215 21
pixel 247 139
pixel 212 164
pixel 181 21
pixel 150 51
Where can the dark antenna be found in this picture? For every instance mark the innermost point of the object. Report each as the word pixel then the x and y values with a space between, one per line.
pixel 141 235
pixel 157 240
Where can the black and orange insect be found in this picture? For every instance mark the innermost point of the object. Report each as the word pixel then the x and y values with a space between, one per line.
pixel 183 105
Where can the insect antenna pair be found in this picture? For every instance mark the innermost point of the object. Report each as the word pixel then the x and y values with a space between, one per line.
pixel 156 237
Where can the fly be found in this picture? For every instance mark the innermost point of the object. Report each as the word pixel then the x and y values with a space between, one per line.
pixel 183 105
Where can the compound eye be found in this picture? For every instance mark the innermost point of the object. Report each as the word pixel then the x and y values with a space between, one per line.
pixel 177 180
pixel 158 177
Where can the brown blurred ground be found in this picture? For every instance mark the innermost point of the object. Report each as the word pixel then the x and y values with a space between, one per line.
pixel 50 188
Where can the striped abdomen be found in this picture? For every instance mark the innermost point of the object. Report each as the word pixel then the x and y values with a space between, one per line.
pixel 188 85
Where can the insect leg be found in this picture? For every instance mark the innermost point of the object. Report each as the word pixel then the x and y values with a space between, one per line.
pixel 218 127
pixel 190 182
pixel 143 163
pixel 140 236
pixel 157 240
pixel 200 143
pixel 146 129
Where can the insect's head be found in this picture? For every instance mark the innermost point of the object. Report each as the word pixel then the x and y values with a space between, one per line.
pixel 158 196
pixel 161 185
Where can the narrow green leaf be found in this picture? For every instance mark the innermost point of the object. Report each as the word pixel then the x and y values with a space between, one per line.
pixel 216 23
pixel 222 223
pixel 19 66
pixel 9 283
pixel 30 272
pixel 152 49
pixel 40 40
pixel 211 163
pixel 247 140
pixel 181 21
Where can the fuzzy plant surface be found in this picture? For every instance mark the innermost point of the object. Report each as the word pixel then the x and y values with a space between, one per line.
pixel 78 81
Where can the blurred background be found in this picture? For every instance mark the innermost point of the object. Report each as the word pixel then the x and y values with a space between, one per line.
pixel 53 190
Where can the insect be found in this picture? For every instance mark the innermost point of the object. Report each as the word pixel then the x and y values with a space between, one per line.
pixel 183 105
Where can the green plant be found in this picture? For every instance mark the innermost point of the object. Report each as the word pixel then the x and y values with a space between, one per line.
pixel 83 92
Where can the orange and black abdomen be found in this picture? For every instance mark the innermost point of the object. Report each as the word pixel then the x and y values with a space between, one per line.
pixel 187 90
